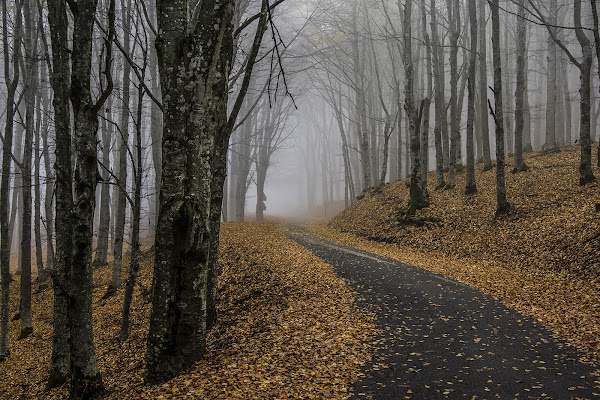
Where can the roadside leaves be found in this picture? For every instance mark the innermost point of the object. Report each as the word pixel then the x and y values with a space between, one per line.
pixel 287 328
pixel 542 259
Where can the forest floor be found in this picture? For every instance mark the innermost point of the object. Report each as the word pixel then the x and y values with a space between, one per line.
pixel 542 259
pixel 288 327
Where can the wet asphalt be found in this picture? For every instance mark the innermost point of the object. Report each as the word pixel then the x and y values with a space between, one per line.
pixel 441 339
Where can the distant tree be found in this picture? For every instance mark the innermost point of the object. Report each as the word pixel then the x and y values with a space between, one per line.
pixel 586 174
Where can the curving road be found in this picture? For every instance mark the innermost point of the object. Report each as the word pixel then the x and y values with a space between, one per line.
pixel 439 338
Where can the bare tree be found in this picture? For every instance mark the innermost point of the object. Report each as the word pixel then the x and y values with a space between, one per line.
pixel 11 85
pixel 502 205
pixel 521 88
pixel 470 175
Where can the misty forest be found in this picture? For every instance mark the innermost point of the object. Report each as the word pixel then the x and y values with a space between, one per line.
pixel 313 199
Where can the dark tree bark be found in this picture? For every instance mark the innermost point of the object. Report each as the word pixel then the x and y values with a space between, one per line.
pixel 417 197
pixel 11 86
pixel 60 79
pixel 470 186
pixel 502 205
pixel 76 209
pixel 194 63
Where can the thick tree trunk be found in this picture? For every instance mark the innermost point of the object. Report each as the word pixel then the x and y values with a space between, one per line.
pixel 470 186
pixel 85 376
pixel 502 205
pixel 60 80
pixel 194 67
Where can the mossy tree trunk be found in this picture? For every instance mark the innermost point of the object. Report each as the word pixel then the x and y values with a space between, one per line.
pixel 194 55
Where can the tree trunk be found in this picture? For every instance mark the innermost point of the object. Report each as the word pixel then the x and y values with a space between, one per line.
pixel 361 107
pixel 417 197
pixel 521 88
pixel 11 85
pixel 194 69
pixel 597 42
pixel 50 182
pixel 483 88
pixel 440 106
pixel 134 263
pixel 470 186
pixel 85 376
pixel 550 144
pixel 60 81
pixel 585 166
pixel 123 153
pixel 101 257
pixel 502 205
pixel 30 76
pixel 454 22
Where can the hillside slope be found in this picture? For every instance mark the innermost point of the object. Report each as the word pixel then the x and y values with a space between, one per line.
pixel 553 223
pixel 543 259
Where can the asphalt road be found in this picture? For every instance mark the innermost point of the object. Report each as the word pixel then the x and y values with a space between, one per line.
pixel 440 339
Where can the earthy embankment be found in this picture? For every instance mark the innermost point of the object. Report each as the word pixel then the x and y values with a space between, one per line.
pixel 287 328
pixel 543 259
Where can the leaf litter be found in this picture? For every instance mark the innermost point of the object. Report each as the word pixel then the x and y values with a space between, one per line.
pixel 288 328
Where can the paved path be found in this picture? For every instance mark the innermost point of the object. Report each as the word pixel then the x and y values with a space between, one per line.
pixel 443 339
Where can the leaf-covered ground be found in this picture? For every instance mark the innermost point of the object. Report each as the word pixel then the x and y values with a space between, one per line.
pixel 287 328
pixel 542 259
